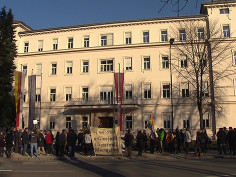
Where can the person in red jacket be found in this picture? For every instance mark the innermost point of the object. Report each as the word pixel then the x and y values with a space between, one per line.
pixel 49 140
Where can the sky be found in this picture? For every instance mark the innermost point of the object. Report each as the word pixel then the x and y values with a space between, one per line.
pixel 41 14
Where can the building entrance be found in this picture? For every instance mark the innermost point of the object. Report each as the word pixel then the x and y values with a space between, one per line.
pixel 105 122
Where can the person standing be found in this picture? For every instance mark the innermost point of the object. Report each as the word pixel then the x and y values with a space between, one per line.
pixel 128 142
pixel 62 139
pixel 41 145
pixel 187 140
pixel 140 142
pixel 72 138
pixel 33 143
pixel 161 135
pixel 2 143
pixel 25 140
pixel 88 144
pixel 221 140
pixel 57 143
pixel 145 139
pixel 80 140
pixel 49 140
pixel 199 143
pixel 170 141
pixel 9 143
pixel 229 140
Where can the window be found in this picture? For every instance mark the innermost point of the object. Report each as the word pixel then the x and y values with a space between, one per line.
pixel 234 57
pixel 52 95
pixel 185 118
pixel 24 97
pixel 24 69
pixel 165 62
pixel 129 122
pixel 166 90
pixel 53 69
pixel 226 31
pixel 183 61
pixel 164 36
pixel 128 64
pixel 85 121
pixel 86 41
pixel 185 89
pixel 200 33
pixel 68 91
pixel 85 93
pixel 128 92
pixel 55 44
pixel 85 66
pixel 205 89
pixel 38 69
pixel 37 95
pixel 206 122
pixel 40 45
pixel 128 38
pixel 106 95
pixel 146 118
pixel 224 11
pixel 106 39
pixel 182 35
pixel 68 122
pixel 147 91
pixel 26 47
pixel 146 63
pixel 68 68
pixel 70 43
pixel 52 122
pixel 106 65
pixel 166 117
pixel 146 37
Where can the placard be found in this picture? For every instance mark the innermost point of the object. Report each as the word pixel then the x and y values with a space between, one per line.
pixel 106 141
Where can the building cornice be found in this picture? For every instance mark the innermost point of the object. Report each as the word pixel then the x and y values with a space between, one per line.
pixel 112 24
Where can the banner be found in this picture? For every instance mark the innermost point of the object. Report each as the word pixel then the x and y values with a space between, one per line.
pixel 106 141
pixel 119 94
pixel 31 93
pixel 19 88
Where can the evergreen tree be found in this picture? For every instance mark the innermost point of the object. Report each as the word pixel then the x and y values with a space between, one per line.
pixel 7 55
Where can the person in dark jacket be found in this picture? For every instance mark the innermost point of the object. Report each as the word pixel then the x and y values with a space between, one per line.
pixel 81 140
pixel 62 139
pixel 33 143
pixel 233 139
pixel 2 143
pixel 199 142
pixel 140 142
pixel 72 138
pixel 41 144
pixel 9 143
pixel 128 142
pixel 57 144
pixel 25 140
pixel 145 140
pixel 229 140
pixel 221 140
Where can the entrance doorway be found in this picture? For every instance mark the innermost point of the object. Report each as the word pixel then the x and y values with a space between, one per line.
pixel 105 122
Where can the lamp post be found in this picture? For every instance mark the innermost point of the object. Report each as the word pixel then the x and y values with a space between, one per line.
pixel 171 86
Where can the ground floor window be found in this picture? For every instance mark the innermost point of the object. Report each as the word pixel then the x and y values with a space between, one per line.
pixel 105 122
pixel 52 122
pixel 84 121
pixel 129 122
pixel 186 120
pixel 166 120
pixel 206 122
pixel 146 118
pixel 68 122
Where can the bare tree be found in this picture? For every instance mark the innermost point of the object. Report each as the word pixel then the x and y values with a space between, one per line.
pixel 191 62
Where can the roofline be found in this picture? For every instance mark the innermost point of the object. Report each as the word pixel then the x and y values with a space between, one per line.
pixel 218 2
pixel 110 23
pixel 24 25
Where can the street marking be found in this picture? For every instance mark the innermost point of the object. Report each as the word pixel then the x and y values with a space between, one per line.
pixel 44 171
pixel 5 170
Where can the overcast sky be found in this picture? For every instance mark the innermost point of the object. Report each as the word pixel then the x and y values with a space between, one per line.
pixel 40 14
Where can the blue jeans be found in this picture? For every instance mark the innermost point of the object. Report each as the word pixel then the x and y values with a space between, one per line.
pixel 72 151
pixel 33 146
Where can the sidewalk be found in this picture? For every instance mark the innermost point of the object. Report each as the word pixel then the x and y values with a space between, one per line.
pixel 145 156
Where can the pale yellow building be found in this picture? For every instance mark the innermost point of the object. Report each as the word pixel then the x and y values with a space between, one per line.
pixel 75 66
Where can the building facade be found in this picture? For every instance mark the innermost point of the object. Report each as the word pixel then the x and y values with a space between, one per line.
pixel 75 66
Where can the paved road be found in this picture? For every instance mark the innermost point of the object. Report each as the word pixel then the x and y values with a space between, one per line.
pixel 118 168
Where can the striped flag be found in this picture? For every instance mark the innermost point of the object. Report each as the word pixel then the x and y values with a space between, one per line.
pixel 150 125
pixel 19 88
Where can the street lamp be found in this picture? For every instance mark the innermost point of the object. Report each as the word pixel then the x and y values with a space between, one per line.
pixel 171 86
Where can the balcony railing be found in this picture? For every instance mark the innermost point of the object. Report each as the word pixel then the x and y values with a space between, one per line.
pixel 98 101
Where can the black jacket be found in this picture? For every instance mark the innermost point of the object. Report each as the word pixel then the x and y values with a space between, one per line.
pixel 25 138
pixel 72 138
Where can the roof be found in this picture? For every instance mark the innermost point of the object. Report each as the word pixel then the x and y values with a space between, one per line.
pixel 23 25
pixel 111 23
pixel 219 2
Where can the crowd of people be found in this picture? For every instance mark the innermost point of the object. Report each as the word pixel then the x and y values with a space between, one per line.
pixel 37 142
pixel 180 141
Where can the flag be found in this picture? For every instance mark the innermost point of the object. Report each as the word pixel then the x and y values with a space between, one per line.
pixel 32 93
pixel 19 88
pixel 150 125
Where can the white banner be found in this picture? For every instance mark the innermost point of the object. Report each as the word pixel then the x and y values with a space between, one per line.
pixel 106 141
